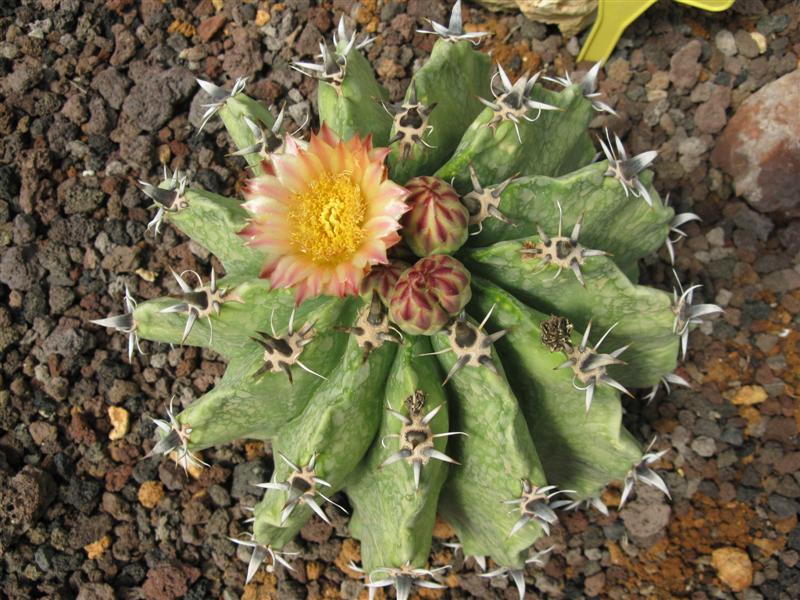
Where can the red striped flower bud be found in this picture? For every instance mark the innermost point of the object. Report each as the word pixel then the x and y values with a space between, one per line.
pixel 436 222
pixel 428 294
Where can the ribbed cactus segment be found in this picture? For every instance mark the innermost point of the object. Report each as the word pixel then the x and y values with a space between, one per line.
pixel 392 518
pixel 246 404
pixel 555 144
pixel 579 450
pixel 236 323
pixel 354 106
pixel 644 315
pixel 337 426
pixel 213 221
pixel 614 221
pixel 496 456
pixel 233 114
pixel 451 80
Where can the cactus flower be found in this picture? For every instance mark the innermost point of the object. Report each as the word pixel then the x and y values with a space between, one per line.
pixel 436 222
pixel 323 215
pixel 428 294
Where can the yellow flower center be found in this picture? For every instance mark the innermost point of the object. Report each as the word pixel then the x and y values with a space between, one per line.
pixel 326 220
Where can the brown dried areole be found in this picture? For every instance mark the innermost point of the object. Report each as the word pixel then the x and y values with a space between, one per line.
pixel 416 437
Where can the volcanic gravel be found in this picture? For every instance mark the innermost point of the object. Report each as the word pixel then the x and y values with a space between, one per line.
pixel 96 95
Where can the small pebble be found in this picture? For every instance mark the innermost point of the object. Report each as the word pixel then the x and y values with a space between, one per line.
pixel 725 42
pixel 749 394
pixel 150 493
pixel 733 567
pixel 120 421
pixel 97 548
pixel 704 446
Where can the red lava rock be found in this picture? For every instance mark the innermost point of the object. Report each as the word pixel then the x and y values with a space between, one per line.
pixel 321 17
pixel 208 27
pixel 169 581
pixel 79 431
pixel 244 57
pixel 684 67
pixel 265 90
pixel 574 522
pixel 760 147
pixel 124 45
pixel 593 585
pixel 43 433
pixel 789 463
pixel 710 116
pixel 117 478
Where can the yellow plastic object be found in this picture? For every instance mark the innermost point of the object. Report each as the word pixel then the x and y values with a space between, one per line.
pixel 614 16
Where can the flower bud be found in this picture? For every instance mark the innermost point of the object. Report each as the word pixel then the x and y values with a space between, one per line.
pixel 382 279
pixel 436 222
pixel 428 294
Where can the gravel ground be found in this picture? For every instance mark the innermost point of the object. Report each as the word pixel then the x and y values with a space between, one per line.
pixel 98 94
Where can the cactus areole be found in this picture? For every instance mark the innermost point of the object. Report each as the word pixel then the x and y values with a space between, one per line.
pixel 400 290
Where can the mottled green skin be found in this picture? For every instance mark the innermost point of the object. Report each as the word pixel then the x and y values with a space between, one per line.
pixel 496 455
pixel 620 224
pixel 356 107
pixel 213 222
pixel 580 451
pixel 231 114
pixel 556 143
pixel 246 406
pixel 644 314
pixel 393 520
pixel 339 423
pixel 236 323
pixel 452 78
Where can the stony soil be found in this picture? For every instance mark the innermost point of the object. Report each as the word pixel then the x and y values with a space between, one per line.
pixel 97 94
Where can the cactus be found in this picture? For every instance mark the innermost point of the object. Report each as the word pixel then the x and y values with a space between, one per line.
pixel 402 344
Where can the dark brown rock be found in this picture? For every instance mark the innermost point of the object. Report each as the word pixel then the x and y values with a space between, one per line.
pixel 23 500
pixel 96 591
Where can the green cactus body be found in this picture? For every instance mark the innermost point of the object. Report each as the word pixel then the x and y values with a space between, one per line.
pixel 392 518
pixel 233 115
pixel 496 455
pixel 644 314
pixel 556 143
pixel 580 451
pixel 451 80
pixel 338 424
pixel 213 221
pixel 246 404
pixel 352 403
pixel 620 224
pixel 353 107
